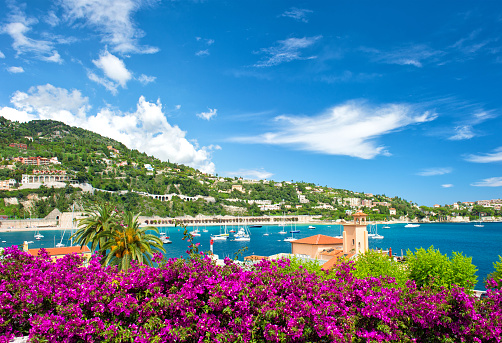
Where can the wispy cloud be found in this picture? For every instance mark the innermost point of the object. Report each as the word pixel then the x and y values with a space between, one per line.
pixel 2 55
pixel 113 19
pixel 471 44
pixel 15 70
pixel 286 51
pixel 299 14
pixel 18 28
pixel 447 185
pixel 495 156
pixel 251 173
pixel 434 171
pixel 207 115
pixel 202 52
pixel 145 129
pixel 350 129
pixel 348 76
pixel 466 128
pixel 145 79
pixel 462 132
pixel 490 182
pixel 203 43
pixel 414 55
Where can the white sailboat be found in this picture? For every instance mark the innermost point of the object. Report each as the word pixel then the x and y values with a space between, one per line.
pixel 478 223
pixel 290 239
pixel 266 233
pixel 38 236
pixel 164 237
pixel 195 232
pixel 222 236
pixel 60 244
pixel 371 231
pixel 282 232
pixel 242 235
pixel 340 236
pixel 377 236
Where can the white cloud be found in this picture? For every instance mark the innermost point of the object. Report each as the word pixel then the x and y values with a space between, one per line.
pixel 414 55
pixel 251 173
pixel 52 19
pixel 177 107
pixel 145 79
pixel 113 67
pixel 447 185
pixel 49 102
pixel 15 70
pixel 16 115
pixel 111 86
pixel 2 55
pixel 145 129
pixel 202 52
pixel 207 115
pixel 462 132
pixel 350 129
pixel 495 156
pixel 286 51
pixel 490 182
pixel 113 18
pixel 299 14
pixel 434 171
pixel 18 29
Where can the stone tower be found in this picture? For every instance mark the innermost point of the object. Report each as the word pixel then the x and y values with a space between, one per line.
pixel 355 235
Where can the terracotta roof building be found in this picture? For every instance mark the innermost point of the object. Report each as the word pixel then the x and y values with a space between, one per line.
pixel 311 246
pixel 57 253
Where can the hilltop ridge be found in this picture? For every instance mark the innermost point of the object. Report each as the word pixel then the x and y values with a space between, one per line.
pixel 134 180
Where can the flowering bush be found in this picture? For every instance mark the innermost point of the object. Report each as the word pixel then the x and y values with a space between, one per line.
pixel 197 301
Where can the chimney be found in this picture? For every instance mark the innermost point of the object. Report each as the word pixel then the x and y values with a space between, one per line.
pixel 390 252
pixel 25 246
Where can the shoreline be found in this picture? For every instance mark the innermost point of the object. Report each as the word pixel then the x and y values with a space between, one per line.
pixel 313 222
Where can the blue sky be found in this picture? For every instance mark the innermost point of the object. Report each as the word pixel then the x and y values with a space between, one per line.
pixel 399 98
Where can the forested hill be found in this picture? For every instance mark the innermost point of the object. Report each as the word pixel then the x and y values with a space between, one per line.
pixel 75 147
pixel 131 177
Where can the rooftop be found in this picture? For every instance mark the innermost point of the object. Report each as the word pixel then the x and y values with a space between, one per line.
pixel 318 240
pixel 61 251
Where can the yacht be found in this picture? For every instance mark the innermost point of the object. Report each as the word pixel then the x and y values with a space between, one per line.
pixel 289 239
pixel 195 233
pixel 165 240
pixel 38 236
pixel 412 225
pixel 222 236
pixel 242 235
pixel 311 227
pixel 478 223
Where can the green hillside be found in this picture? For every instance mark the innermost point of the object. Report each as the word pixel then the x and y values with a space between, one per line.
pixel 109 165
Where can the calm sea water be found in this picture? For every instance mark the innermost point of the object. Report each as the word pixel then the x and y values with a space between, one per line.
pixel 484 245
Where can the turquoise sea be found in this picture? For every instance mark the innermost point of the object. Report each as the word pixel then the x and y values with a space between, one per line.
pixel 484 245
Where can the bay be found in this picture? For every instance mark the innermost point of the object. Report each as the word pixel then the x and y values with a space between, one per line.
pixel 484 245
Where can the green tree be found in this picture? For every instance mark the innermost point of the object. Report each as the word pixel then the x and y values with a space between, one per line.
pixel 100 218
pixel 375 263
pixel 127 242
pixel 497 274
pixel 430 267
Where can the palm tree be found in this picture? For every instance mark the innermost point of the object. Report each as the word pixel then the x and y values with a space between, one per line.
pixel 127 241
pixel 101 218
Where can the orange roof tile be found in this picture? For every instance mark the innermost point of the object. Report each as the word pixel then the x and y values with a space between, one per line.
pixel 334 260
pixel 318 240
pixel 62 251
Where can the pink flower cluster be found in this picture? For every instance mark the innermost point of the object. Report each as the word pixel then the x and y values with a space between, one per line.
pixel 197 301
